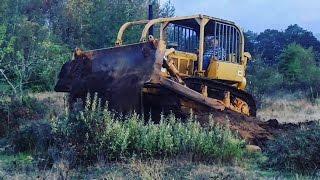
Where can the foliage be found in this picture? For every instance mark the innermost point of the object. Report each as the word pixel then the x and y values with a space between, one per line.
pixel 269 44
pixel 297 70
pixel 13 114
pixel 297 151
pixel 298 66
pixel 167 9
pixel 250 40
pixel 264 79
pixel 13 163
pixel 95 133
pixel 285 60
pixel 31 59
pixel 93 24
pixel 32 137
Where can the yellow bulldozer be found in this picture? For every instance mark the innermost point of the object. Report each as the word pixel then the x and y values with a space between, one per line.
pixel 188 63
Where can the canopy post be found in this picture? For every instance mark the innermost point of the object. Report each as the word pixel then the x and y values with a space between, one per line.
pixel 202 22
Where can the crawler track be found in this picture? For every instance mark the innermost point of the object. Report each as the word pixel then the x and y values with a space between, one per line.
pixel 216 90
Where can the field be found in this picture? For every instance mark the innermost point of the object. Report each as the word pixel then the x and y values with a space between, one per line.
pixel 28 165
pixel 155 169
pixel 289 109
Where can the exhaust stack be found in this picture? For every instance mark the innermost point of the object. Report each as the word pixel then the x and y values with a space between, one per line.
pixel 150 17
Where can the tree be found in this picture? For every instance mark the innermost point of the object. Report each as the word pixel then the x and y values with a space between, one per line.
pixel 250 40
pixel 270 44
pixel 26 60
pixel 263 79
pixel 167 9
pixel 298 66
pixel 306 39
pixel 6 49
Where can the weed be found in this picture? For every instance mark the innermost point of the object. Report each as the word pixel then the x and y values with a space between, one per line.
pixel 100 133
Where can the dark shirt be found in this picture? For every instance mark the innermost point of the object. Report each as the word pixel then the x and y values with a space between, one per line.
pixel 219 53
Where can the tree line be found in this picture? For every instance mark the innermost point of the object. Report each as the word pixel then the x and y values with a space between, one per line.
pixel 284 61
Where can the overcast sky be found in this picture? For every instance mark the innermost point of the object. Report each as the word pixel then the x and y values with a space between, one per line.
pixel 257 15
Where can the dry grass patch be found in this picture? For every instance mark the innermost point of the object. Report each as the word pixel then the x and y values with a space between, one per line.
pixel 56 101
pixel 289 110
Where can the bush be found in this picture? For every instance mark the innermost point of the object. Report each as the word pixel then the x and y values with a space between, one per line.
pixel 35 136
pixel 297 151
pixel 264 79
pixel 12 114
pixel 95 133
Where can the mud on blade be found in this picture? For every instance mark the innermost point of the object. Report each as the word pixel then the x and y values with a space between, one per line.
pixel 117 74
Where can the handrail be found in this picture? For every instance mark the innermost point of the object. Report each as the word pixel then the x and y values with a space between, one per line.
pixel 144 35
pixel 145 31
pixel 124 27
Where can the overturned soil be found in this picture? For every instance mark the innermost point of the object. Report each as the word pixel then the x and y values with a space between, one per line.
pixel 252 129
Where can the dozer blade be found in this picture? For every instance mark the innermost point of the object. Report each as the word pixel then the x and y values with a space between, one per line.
pixel 118 61
pixel 127 68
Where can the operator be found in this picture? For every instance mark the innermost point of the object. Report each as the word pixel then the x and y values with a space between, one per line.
pixel 213 51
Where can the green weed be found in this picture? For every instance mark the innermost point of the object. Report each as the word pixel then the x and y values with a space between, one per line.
pixel 100 133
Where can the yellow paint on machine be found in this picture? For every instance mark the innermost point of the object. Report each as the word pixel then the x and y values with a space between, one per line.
pixel 226 71
pixel 183 61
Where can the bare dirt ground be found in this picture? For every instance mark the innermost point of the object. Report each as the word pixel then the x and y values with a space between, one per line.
pixel 258 131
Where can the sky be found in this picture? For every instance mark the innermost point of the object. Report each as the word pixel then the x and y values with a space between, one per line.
pixel 257 15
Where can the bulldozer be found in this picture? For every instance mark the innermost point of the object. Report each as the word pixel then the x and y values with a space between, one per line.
pixel 179 64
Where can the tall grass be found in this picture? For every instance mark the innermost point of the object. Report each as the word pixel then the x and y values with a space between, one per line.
pixel 96 133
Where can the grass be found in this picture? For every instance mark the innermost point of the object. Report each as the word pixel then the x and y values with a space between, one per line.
pixel 11 164
pixel 173 168
pixel 288 109
pixel 133 169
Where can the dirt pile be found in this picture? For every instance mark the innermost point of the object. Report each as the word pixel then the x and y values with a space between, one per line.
pixel 253 130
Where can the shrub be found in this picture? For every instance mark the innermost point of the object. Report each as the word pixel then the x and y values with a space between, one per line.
pixel 35 136
pixel 264 79
pixel 95 133
pixel 12 114
pixel 297 151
